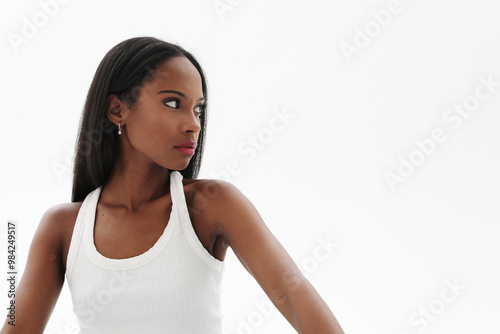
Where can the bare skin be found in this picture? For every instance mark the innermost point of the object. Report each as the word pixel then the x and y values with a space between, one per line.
pixel 135 204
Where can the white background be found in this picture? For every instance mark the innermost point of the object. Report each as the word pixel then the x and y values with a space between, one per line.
pixel 323 175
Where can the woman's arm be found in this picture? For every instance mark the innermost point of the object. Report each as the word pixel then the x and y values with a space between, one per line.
pixel 43 278
pixel 267 261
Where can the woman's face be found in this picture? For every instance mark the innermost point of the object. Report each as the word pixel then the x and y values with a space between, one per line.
pixel 167 113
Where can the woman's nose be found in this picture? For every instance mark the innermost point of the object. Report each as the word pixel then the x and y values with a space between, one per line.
pixel 193 123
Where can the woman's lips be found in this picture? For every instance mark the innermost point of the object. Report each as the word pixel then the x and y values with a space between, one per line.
pixel 189 144
pixel 185 150
pixel 187 147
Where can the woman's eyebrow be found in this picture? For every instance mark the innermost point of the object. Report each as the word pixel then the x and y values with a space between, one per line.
pixel 178 93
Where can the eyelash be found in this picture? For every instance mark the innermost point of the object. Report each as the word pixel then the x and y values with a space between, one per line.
pixel 201 106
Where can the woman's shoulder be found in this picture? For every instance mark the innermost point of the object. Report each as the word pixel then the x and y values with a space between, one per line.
pixel 59 214
pixel 208 188
pixel 214 196
pixel 61 218
pixel 57 224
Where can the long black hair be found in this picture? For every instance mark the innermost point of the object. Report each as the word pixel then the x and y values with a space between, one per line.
pixel 123 71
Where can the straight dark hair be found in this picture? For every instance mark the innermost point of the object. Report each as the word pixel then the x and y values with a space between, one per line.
pixel 123 71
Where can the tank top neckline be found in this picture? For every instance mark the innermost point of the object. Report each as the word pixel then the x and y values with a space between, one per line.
pixel 141 259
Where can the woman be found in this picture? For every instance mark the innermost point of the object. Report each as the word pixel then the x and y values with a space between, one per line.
pixel 143 241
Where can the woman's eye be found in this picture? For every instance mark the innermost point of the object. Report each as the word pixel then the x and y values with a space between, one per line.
pixel 172 103
pixel 175 104
pixel 199 109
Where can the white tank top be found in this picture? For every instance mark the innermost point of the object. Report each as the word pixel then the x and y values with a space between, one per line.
pixel 174 287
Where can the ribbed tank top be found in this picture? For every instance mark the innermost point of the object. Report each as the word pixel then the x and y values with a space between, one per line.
pixel 174 287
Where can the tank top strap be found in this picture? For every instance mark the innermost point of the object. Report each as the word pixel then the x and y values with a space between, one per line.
pixel 180 204
pixel 178 197
pixel 79 228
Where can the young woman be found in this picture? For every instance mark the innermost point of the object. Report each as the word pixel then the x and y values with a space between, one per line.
pixel 143 241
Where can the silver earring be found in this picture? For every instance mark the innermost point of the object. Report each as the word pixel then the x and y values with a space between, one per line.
pixel 119 128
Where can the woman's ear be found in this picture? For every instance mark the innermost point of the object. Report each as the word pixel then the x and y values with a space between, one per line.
pixel 116 110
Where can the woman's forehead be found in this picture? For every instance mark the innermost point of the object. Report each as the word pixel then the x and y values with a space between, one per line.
pixel 177 74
